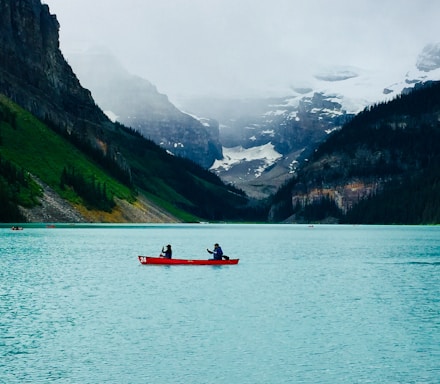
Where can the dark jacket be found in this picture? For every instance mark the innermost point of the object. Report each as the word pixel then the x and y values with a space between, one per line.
pixel 167 253
pixel 217 253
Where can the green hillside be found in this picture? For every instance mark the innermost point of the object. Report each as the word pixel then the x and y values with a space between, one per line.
pixel 84 177
pixel 88 160
pixel 32 147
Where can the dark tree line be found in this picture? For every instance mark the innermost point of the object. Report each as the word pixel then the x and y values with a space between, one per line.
pixel 403 125
pixel 12 174
pixel 106 160
pixel 412 200
pixel 9 211
pixel 91 191
pixel 8 116
pixel 406 132
pixel 320 210
pixel 397 141
pixel 12 180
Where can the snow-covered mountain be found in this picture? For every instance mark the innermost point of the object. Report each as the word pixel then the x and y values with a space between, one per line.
pixel 255 144
pixel 264 139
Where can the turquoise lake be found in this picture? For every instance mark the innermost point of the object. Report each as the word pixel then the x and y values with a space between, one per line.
pixel 318 304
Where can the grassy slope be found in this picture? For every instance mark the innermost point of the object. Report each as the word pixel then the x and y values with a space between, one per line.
pixel 31 145
pixel 40 151
pixel 178 187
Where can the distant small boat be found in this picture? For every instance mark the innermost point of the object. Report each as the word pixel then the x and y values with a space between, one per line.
pixel 165 261
pixel 14 228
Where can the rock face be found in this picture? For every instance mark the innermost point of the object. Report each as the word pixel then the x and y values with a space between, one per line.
pixel 136 103
pixel 33 72
pixel 35 75
pixel 294 126
pixel 53 209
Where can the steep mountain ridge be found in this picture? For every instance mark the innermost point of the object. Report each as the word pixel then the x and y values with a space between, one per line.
pixel 136 103
pixel 33 71
pixel 34 74
pixel 263 140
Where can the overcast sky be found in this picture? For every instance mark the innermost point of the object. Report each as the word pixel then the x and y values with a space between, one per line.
pixel 248 47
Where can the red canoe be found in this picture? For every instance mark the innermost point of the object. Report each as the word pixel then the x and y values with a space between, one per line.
pixel 164 261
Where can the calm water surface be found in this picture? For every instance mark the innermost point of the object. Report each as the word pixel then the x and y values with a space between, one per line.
pixel 322 304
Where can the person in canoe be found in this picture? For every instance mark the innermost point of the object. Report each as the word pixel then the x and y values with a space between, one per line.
pixel 167 253
pixel 217 252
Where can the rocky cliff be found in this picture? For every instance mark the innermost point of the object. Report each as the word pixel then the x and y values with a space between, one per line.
pixel 34 73
pixel 136 103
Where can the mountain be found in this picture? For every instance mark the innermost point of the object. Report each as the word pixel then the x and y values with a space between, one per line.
pixel 34 73
pixel 294 125
pixel 89 154
pixel 136 103
pixel 44 177
pixel 382 167
pixel 288 128
pixel 253 144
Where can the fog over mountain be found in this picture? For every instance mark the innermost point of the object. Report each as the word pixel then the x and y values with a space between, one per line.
pixel 429 59
pixel 229 48
pixel 136 103
pixel 253 143
pixel 276 75
pixel 265 139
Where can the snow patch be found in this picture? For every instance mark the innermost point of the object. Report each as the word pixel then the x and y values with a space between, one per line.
pixel 278 112
pixel 112 116
pixel 237 155
pixel 268 132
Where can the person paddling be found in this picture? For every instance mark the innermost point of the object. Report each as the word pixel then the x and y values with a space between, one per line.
pixel 167 253
pixel 217 252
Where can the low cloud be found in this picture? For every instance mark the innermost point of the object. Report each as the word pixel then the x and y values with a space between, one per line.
pixel 243 47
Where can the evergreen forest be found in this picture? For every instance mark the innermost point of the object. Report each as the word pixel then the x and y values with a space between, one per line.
pixel 395 144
